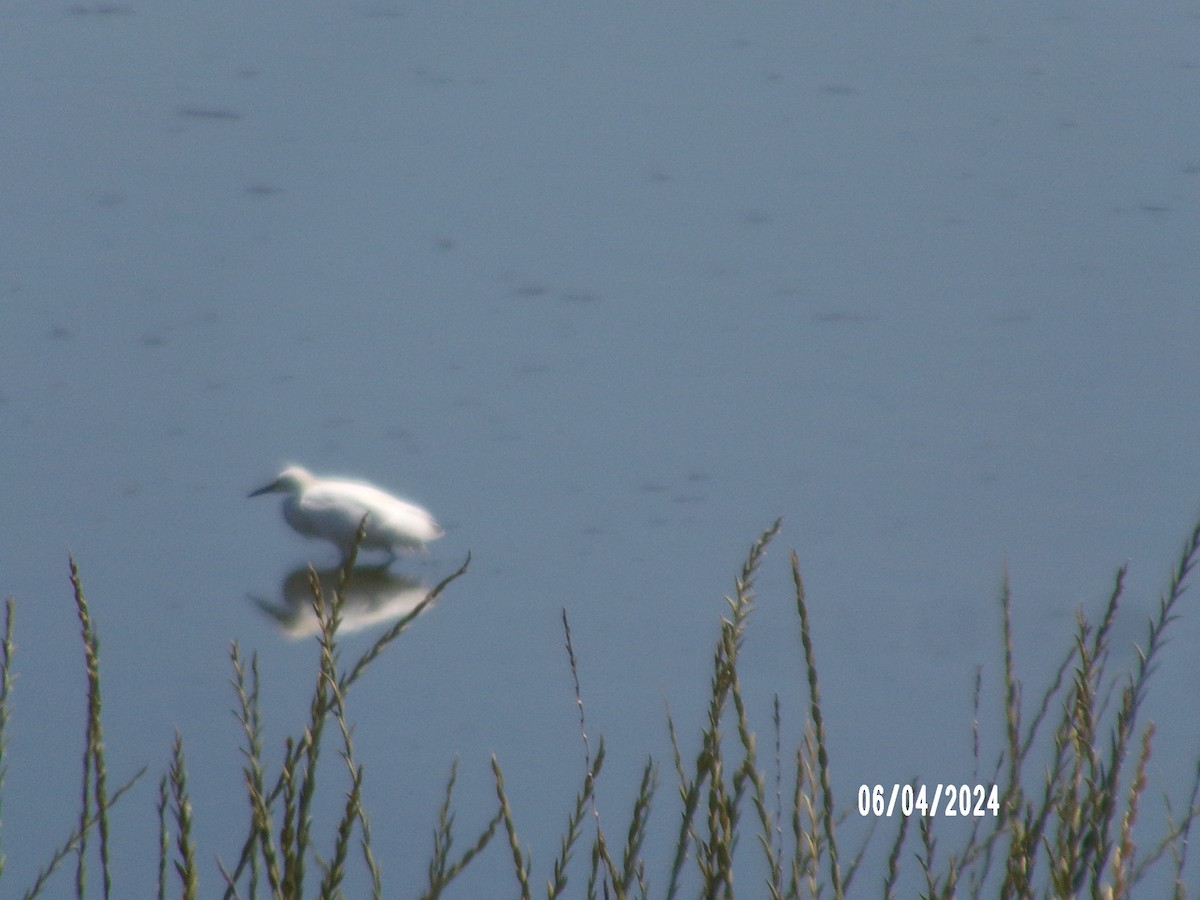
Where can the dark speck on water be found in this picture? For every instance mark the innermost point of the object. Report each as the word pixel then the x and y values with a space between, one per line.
pixel 100 9
pixel 208 112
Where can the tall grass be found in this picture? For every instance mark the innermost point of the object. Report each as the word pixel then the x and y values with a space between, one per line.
pixel 1070 777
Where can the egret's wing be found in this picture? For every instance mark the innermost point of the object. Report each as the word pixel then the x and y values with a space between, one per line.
pixel 407 517
pixel 334 509
pixel 332 513
pixel 413 521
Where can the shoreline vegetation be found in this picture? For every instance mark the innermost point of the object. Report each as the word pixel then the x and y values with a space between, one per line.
pixel 1069 780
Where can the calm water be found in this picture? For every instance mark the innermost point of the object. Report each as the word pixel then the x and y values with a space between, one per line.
pixel 609 291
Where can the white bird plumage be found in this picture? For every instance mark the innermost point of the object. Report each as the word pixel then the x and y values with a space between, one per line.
pixel 332 508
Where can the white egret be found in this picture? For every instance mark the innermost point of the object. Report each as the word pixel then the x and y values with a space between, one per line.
pixel 331 509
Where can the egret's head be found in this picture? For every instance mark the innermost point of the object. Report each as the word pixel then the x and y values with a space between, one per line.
pixel 291 480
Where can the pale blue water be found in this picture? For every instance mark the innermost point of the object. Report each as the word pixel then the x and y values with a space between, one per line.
pixel 608 290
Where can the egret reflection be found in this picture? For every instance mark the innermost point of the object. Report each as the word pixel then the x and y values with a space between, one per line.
pixel 372 596
pixel 331 509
